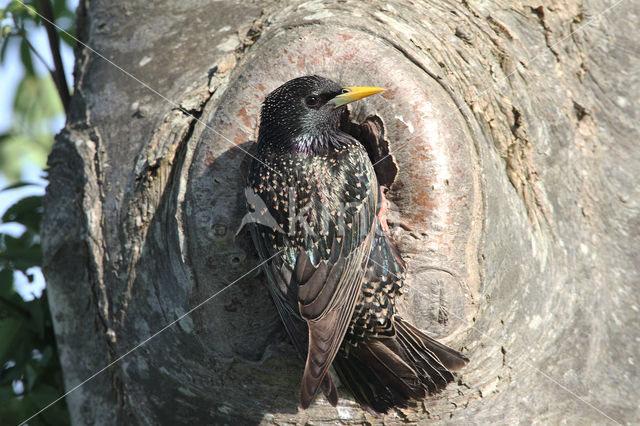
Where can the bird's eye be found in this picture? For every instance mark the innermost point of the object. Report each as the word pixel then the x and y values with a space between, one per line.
pixel 312 101
pixel 345 91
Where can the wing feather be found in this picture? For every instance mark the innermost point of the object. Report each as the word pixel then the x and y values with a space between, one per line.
pixel 318 276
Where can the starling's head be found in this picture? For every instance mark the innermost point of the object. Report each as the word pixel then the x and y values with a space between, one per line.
pixel 305 112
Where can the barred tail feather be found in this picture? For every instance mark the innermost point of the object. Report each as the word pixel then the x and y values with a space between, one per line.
pixel 449 358
pixel 383 372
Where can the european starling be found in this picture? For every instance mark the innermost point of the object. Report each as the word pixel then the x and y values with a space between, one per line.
pixel 332 268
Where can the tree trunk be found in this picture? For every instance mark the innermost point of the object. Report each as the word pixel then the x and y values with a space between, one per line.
pixel 513 133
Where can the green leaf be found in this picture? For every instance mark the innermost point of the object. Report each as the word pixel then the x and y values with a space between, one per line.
pixel 3 48
pixel 6 391
pixel 6 284
pixel 47 356
pixel 7 30
pixel 15 185
pixel 37 98
pixel 16 410
pixel 20 253
pixel 14 6
pixel 59 8
pixel 11 330
pixel 25 56
pixel 66 19
pixel 8 375
pixel 36 103
pixel 68 37
pixel 18 149
pixel 12 155
pixel 57 414
pixel 30 377
pixel 27 211
pixel 13 411
pixel 41 396
pixel 31 11
pixel 37 311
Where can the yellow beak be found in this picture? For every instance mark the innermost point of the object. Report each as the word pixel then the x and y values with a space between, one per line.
pixel 351 94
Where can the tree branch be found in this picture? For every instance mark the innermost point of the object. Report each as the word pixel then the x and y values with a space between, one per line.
pixel 54 43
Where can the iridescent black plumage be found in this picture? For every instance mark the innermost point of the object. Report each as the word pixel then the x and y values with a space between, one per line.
pixel 333 270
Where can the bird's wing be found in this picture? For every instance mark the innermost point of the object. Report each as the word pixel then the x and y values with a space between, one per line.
pixel 329 271
pixel 316 285
pixel 271 243
pixel 283 292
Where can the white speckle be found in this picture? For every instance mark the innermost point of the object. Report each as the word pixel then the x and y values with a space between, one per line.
pixel 634 307
pixel 224 409
pixel 406 123
pixel 225 28
pixel 144 61
pixel 345 413
pixel 584 249
pixel 186 392
pixel 535 322
pixel 630 360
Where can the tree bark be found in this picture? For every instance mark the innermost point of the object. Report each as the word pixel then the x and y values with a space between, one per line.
pixel 513 133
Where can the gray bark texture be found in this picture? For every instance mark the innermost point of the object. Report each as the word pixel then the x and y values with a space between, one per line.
pixel 513 128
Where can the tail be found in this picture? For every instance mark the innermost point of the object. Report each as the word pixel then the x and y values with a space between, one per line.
pixel 386 372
